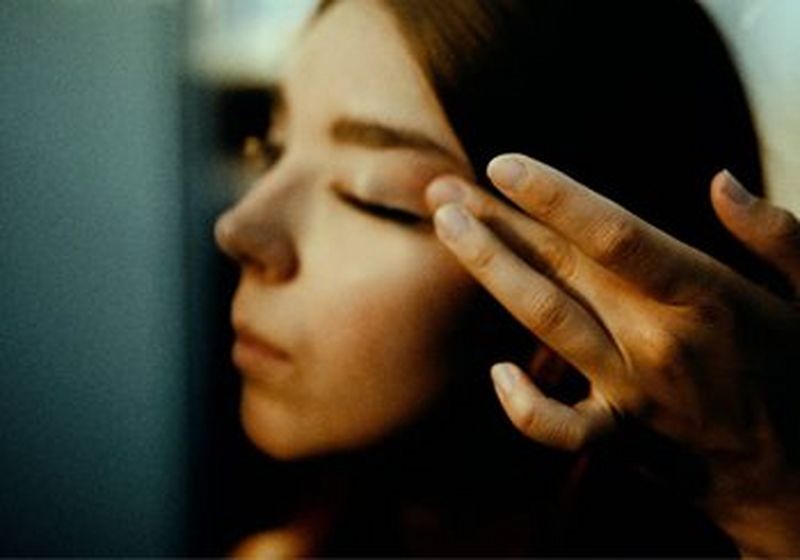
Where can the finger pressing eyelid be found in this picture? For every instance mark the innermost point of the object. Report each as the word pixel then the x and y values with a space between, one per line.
pixel 539 304
pixel 450 189
pixel 444 190
pixel 535 243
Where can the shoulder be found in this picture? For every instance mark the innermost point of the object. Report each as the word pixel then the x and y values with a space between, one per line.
pixel 303 537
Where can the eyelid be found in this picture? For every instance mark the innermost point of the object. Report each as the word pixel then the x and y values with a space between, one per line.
pixel 381 210
pixel 261 153
pixel 272 150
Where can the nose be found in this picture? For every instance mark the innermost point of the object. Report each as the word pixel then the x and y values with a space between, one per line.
pixel 257 233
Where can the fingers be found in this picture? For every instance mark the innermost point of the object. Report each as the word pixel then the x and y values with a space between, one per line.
pixel 547 420
pixel 539 304
pixel 651 260
pixel 538 245
pixel 771 232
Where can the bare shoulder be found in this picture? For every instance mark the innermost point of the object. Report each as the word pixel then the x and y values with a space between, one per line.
pixel 303 537
pixel 287 542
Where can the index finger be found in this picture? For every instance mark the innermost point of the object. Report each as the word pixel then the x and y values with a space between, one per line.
pixel 618 240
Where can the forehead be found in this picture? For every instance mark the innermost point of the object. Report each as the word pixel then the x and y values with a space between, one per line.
pixel 353 60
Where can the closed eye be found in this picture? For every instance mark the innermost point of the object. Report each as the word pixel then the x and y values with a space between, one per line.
pixel 261 154
pixel 403 217
pixel 271 153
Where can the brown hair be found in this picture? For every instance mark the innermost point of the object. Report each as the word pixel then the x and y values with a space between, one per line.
pixel 638 100
pixel 608 93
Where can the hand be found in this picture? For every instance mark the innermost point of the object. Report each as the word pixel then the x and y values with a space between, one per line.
pixel 664 333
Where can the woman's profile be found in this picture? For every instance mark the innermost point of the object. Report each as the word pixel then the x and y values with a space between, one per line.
pixel 364 346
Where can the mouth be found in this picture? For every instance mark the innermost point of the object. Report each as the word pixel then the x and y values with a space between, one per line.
pixel 253 352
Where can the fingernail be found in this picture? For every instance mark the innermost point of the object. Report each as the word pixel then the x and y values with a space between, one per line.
pixel 734 190
pixel 506 171
pixel 442 191
pixel 504 377
pixel 452 220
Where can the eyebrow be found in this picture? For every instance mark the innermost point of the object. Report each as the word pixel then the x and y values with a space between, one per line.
pixel 376 135
pixel 369 133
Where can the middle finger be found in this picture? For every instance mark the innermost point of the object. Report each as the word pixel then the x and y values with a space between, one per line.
pixel 538 245
pixel 547 310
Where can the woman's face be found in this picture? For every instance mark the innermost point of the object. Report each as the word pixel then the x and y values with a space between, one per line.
pixel 347 304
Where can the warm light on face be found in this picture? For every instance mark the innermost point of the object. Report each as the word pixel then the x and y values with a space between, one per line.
pixel 347 302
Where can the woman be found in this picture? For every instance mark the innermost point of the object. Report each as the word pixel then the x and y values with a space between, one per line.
pixel 361 340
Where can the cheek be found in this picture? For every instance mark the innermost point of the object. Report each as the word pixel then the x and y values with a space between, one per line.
pixel 386 295
pixel 386 324
pixel 373 320
pixel 398 302
pixel 380 351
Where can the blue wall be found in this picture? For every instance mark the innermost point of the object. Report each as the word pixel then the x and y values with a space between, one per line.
pixel 93 364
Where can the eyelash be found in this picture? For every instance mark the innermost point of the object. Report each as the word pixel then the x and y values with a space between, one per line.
pixel 259 154
pixel 384 212
pixel 271 153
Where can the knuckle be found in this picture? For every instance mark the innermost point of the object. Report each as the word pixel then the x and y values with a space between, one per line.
pixel 711 312
pixel 527 421
pixel 567 435
pixel 539 427
pixel 557 258
pixel 483 256
pixel 617 240
pixel 482 205
pixel 546 312
pixel 524 415
pixel 669 350
pixel 551 200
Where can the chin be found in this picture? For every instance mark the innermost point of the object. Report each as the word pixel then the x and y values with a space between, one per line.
pixel 271 431
pixel 283 434
pixel 278 448
pixel 280 432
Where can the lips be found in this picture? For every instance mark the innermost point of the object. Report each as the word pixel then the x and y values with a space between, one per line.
pixel 253 352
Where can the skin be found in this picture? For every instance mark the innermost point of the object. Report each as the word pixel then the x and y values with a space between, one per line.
pixel 344 311
pixel 665 334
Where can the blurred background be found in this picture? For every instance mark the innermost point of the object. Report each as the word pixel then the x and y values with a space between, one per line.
pixel 123 123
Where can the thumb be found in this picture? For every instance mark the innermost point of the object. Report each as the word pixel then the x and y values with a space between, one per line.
pixel 771 232
pixel 547 420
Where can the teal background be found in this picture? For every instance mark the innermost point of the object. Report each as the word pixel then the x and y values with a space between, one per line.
pixel 94 446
